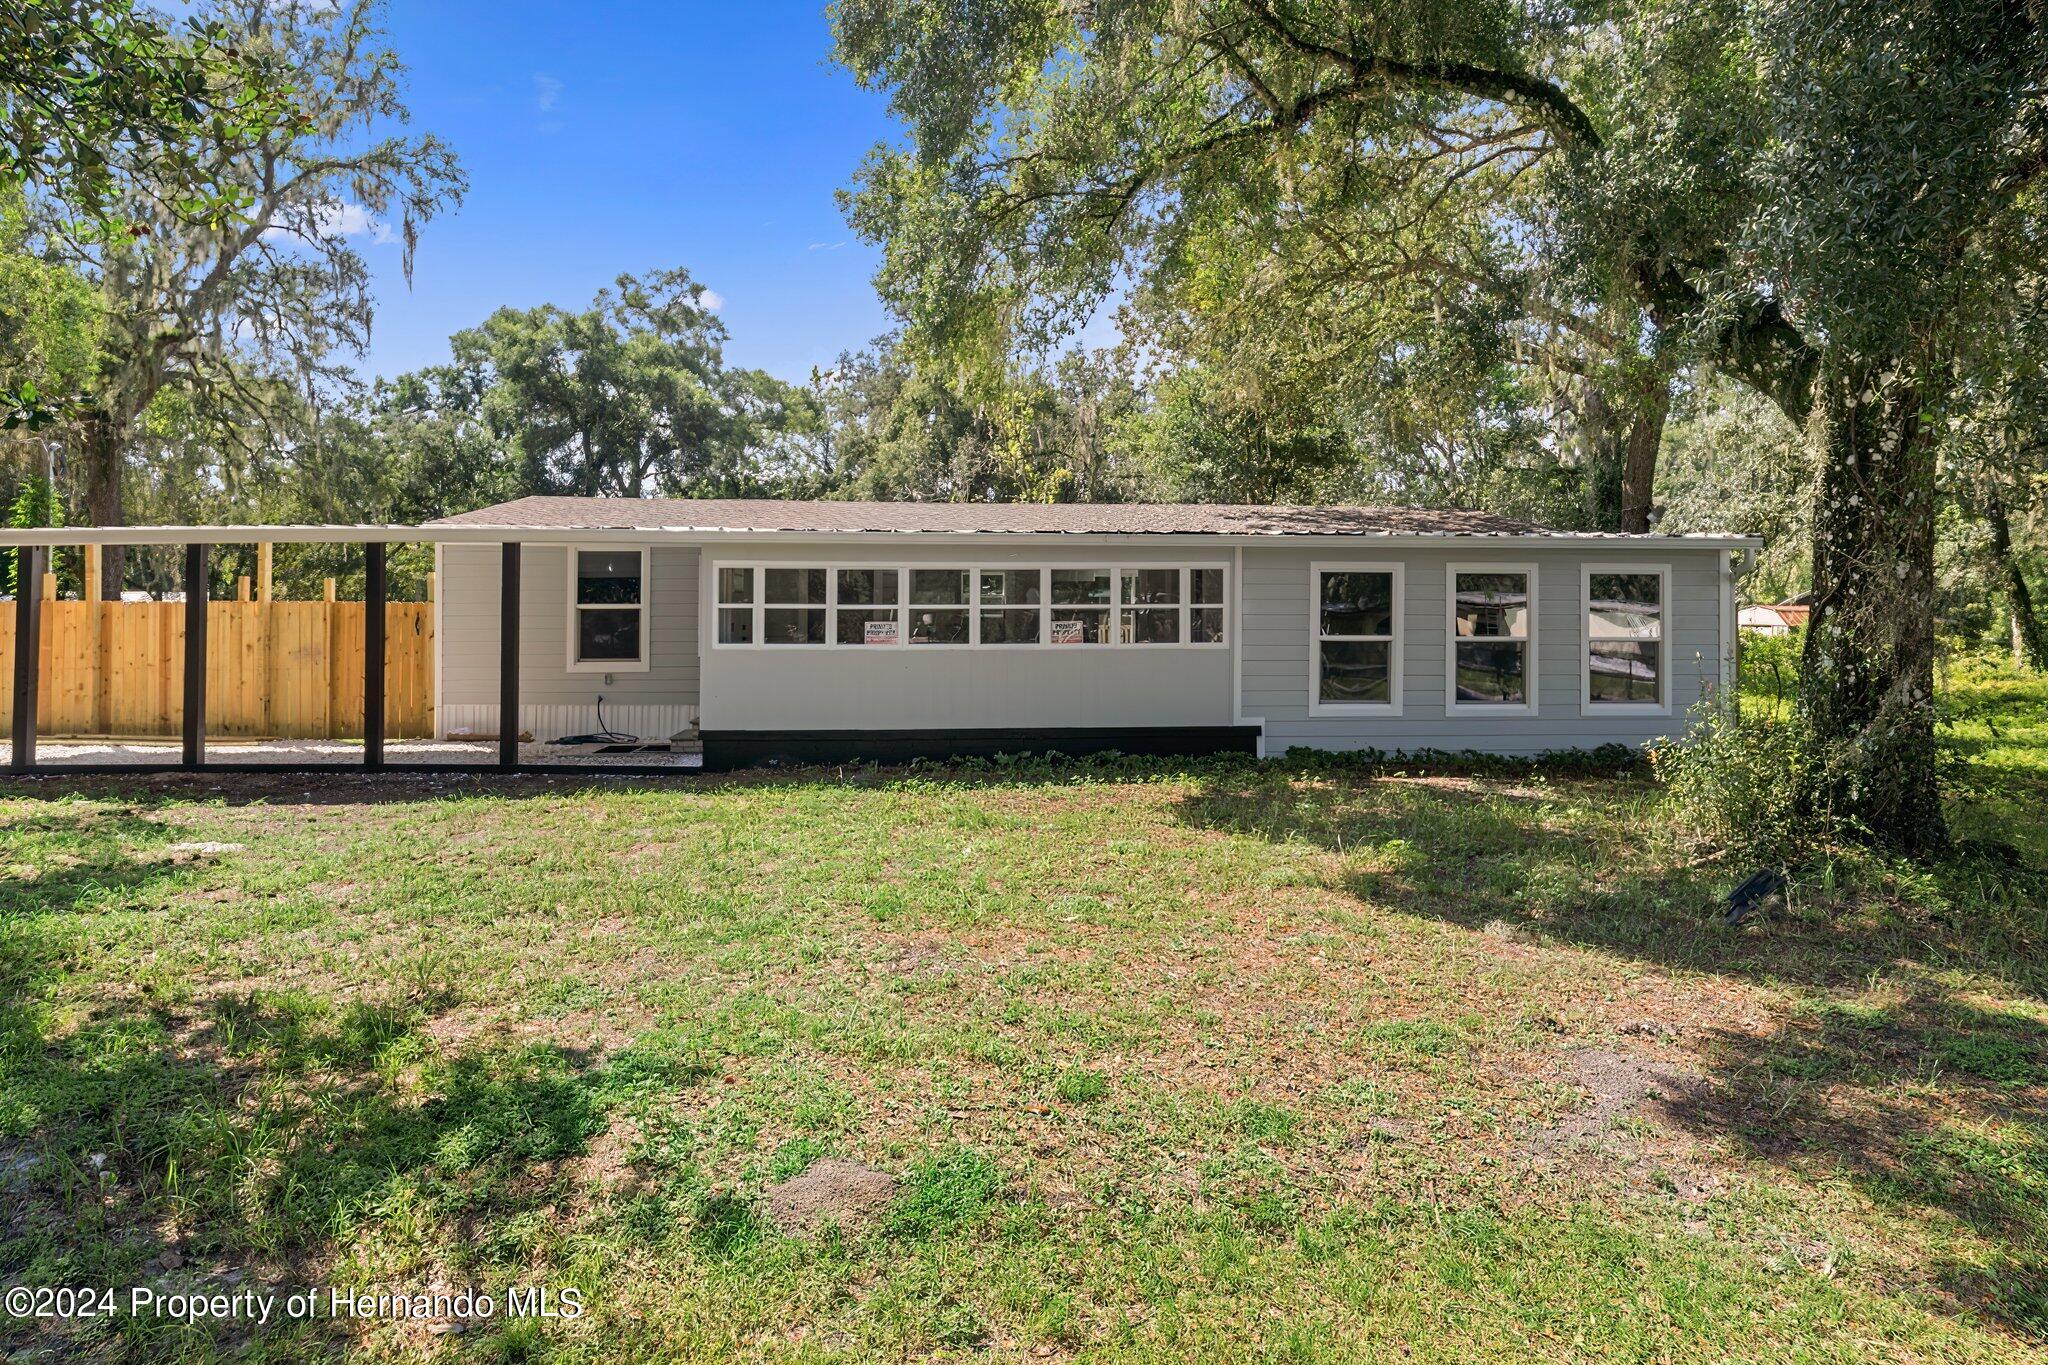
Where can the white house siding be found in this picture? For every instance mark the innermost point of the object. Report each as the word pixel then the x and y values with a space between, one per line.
pixel 1275 611
pixel 941 688
pixel 553 701
pixel 909 688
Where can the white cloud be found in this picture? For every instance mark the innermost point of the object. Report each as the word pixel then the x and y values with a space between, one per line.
pixel 824 246
pixel 333 218
pixel 712 299
pixel 547 91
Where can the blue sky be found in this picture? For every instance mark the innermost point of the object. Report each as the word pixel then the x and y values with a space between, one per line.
pixel 612 137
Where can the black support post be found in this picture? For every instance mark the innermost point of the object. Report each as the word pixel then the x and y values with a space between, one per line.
pixel 195 656
pixel 28 591
pixel 373 654
pixel 508 655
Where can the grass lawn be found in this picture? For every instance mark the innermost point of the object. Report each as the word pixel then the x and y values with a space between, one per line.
pixel 1194 1062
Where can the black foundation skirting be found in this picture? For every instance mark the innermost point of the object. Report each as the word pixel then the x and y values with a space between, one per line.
pixel 725 750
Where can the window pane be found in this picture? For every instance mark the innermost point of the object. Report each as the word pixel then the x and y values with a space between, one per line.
pixel 736 625
pixel 1151 587
pixel 1015 587
pixel 793 626
pixel 1079 626
pixel 795 585
pixel 735 585
pixel 940 587
pixel 863 586
pixel 1205 626
pixel 1493 605
pixel 868 626
pixel 1624 671
pixel 608 576
pixel 1152 626
pixel 1357 672
pixel 1625 606
pixel 1358 604
pixel 608 633
pixel 1492 672
pixel 1009 627
pixel 937 627
pixel 1073 586
pixel 1205 585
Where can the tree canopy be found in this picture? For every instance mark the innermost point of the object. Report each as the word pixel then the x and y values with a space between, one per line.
pixel 1797 192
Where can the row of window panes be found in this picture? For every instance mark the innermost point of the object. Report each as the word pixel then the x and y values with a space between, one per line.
pixel 1490 616
pixel 815 606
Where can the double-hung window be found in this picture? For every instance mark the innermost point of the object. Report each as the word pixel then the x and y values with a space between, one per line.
pixel 1493 639
pixel 1624 667
pixel 1355 623
pixel 608 610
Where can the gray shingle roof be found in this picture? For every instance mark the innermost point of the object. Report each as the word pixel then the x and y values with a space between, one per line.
pixel 1127 518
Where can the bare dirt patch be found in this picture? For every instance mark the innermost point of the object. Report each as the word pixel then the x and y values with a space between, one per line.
pixel 831 1191
pixel 1621 1085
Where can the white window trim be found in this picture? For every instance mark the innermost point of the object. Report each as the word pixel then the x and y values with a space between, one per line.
pixel 645 661
pixel 974 606
pixel 1316 705
pixel 1589 707
pixel 1533 666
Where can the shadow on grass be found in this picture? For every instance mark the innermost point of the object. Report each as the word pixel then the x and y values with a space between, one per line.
pixel 273 1138
pixel 1932 1102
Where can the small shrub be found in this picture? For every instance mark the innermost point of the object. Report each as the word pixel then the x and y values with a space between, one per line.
pixel 1732 784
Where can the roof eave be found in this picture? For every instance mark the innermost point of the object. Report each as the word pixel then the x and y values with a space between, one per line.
pixel 474 534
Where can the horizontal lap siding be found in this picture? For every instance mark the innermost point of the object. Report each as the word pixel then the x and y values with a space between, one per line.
pixel 1276 654
pixel 553 700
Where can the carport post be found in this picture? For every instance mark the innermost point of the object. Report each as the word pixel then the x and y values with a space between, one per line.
pixel 195 656
pixel 28 579
pixel 373 654
pixel 508 655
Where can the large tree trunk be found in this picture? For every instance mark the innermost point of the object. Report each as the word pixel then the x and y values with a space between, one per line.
pixel 101 446
pixel 2029 650
pixel 1868 686
pixel 1601 455
pixel 1639 457
pixel 1620 435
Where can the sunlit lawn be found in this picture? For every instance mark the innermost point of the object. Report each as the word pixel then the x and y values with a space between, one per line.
pixel 1208 1062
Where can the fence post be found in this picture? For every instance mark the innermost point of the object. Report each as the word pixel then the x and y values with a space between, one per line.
pixel 508 655
pixel 28 564
pixel 195 656
pixel 96 636
pixel 373 654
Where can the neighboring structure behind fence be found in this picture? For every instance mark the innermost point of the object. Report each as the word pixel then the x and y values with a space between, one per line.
pixel 291 670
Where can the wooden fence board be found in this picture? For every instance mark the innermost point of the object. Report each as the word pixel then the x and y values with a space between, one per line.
pixel 291 670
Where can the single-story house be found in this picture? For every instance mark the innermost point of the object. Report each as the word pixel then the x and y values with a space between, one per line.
pixel 850 629
pixel 835 630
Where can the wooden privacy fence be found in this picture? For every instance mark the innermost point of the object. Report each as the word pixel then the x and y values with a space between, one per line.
pixel 291 670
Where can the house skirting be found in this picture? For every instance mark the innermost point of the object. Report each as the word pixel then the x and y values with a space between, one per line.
pixel 725 750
